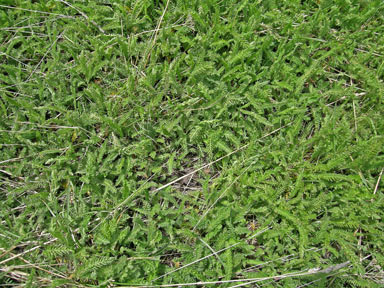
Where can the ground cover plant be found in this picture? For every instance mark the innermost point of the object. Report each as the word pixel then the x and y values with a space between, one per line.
pixel 217 143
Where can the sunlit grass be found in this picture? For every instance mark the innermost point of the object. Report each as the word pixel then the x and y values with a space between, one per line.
pixel 202 142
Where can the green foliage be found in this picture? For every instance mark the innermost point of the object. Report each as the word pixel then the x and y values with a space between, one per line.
pixel 99 110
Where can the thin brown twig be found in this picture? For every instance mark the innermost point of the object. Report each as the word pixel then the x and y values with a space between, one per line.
pixel 8 251
pixel 36 11
pixel 221 196
pixel 213 251
pixel 260 279
pixel 283 259
pixel 378 181
pixel 369 52
pixel 45 55
pixel 54 126
pixel 42 269
pixel 251 282
pixel 27 251
pixel 11 160
pixel 354 116
pixel 83 14
pixel 156 32
pixel 205 257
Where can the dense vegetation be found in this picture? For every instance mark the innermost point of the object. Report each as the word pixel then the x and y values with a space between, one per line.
pixel 163 142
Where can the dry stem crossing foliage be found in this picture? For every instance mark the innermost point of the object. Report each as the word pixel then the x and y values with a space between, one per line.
pixel 177 143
